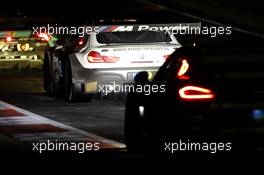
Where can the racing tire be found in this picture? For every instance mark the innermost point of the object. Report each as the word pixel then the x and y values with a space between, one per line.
pixel 46 75
pixel 73 91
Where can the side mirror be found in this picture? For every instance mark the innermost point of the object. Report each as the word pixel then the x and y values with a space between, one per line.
pixel 141 78
pixel 60 42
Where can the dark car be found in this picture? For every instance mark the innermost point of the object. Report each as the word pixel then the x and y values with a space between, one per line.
pixel 208 105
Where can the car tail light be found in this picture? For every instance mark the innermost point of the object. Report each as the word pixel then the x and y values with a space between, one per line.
pixel 81 42
pixel 183 70
pixel 95 57
pixel 9 39
pixel 195 93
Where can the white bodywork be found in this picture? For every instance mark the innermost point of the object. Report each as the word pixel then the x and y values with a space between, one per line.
pixel 131 55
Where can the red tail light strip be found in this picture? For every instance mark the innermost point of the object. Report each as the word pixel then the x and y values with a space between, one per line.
pixel 95 57
pixel 195 93
pixel 184 68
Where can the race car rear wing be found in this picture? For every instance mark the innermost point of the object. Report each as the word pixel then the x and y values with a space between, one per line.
pixel 170 28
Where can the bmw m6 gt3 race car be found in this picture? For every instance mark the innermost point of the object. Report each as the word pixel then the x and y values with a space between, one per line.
pixel 207 100
pixel 77 66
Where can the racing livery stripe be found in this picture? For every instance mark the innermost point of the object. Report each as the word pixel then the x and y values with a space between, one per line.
pixel 112 28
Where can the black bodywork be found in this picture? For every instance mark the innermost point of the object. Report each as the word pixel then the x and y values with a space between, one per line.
pixel 234 115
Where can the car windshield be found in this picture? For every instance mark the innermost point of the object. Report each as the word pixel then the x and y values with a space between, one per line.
pixel 132 37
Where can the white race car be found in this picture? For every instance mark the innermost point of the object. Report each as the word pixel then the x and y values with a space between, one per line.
pixel 78 66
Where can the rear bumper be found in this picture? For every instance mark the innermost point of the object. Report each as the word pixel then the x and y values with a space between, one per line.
pixel 92 79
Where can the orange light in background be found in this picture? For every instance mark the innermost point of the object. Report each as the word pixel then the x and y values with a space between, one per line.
pixel 80 42
pixel 195 93
pixel 44 36
pixel 9 39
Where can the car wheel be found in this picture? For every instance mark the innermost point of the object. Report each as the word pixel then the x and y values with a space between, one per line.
pixel 133 130
pixel 73 91
pixel 46 75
